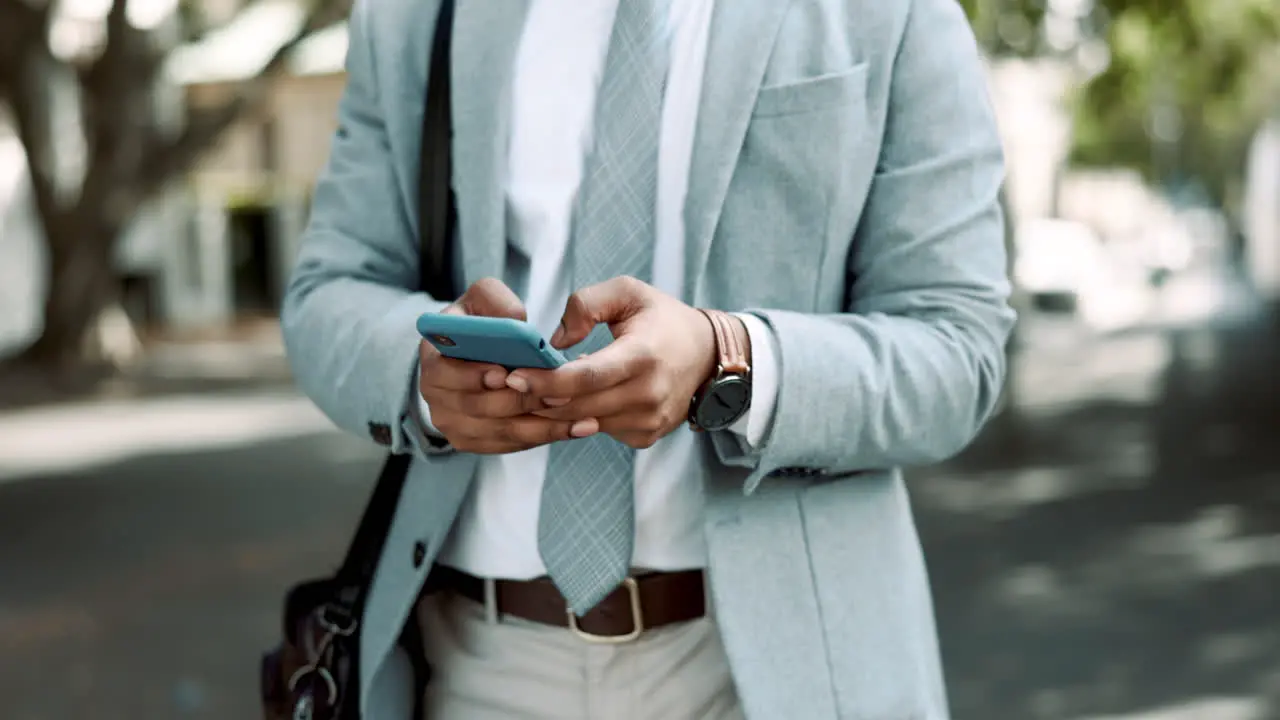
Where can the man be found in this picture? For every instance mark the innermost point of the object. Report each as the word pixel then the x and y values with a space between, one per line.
pixel 827 171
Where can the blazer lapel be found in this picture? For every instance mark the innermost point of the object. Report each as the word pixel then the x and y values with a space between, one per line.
pixel 742 35
pixel 404 81
pixel 486 33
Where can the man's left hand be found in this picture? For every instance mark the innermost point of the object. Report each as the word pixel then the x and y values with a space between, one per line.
pixel 640 385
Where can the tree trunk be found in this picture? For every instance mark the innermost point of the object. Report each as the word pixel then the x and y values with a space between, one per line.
pixel 82 282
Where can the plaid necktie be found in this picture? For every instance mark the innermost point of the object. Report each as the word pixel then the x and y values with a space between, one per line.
pixel 586 526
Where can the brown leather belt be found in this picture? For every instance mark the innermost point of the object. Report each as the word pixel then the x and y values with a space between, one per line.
pixel 641 603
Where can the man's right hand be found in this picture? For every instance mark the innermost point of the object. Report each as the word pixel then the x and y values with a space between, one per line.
pixel 470 402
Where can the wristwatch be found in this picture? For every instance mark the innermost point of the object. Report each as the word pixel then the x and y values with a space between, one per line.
pixel 726 395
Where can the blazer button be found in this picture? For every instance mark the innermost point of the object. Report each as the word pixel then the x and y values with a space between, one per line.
pixel 419 554
pixel 380 432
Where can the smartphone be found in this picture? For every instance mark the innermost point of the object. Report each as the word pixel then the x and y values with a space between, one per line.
pixel 501 341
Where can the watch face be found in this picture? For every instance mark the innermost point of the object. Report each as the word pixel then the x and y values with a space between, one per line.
pixel 723 403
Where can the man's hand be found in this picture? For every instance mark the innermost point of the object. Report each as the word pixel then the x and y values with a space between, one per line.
pixel 638 388
pixel 470 402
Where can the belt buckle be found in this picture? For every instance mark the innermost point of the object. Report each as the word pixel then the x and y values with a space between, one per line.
pixel 637 619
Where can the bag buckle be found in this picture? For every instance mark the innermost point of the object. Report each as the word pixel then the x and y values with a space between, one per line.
pixel 306 704
pixel 338 620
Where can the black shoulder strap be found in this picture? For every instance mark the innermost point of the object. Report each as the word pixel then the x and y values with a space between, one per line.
pixel 436 221
pixel 437 209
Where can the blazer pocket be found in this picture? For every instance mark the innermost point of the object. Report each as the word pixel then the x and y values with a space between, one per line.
pixel 812 94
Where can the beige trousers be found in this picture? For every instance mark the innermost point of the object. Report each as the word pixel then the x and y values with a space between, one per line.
pixel 487 669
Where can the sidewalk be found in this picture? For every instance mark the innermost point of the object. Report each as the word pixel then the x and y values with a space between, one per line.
pixel 247 356
pixel 1113 551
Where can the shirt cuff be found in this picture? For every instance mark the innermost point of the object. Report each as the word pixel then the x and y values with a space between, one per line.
pixel 420 412
pixel 754 424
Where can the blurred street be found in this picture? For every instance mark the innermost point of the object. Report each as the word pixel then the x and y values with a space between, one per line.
pixel 1113 551
pixel 1110 548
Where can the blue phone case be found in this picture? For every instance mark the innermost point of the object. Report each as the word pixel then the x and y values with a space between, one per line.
pixel 501 341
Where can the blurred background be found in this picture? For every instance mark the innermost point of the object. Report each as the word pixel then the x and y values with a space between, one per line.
pixel 1108 549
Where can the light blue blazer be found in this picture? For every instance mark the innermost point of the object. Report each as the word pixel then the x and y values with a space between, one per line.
pixel 844 187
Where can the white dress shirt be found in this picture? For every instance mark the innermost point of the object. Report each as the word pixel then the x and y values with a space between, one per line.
pixel 558 69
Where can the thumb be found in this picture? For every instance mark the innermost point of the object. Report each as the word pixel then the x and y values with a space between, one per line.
pixel 490 297
pixel 612 302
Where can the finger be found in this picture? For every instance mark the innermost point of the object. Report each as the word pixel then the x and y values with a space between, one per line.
pixel 637 424
pixel 540 431
pixel 487 404
pixel 615 364
pixel 523 431
pixel 487 446
pixel 632 396
pixel 493 447
pixel 463 375
pixel 638 431
pixel 473 434
pixel 490 297
pixel 608 302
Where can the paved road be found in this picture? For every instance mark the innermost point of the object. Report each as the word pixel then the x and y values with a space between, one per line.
pixel 1120 553
pixel 1111 551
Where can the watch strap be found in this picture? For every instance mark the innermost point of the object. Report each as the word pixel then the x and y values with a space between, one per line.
pixel 731 356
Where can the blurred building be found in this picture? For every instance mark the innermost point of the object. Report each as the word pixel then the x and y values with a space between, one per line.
pixel 248 198
pixel 250 194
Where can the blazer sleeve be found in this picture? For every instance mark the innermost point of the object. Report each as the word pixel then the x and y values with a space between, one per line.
pixel 349 312
pixel 913 367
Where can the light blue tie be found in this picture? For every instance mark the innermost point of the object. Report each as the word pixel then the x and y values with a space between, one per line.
pixel 586 525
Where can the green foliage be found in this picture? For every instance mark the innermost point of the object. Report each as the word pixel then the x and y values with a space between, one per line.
pixel 1185 88
pixel 1007 27
pixel 1199 65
